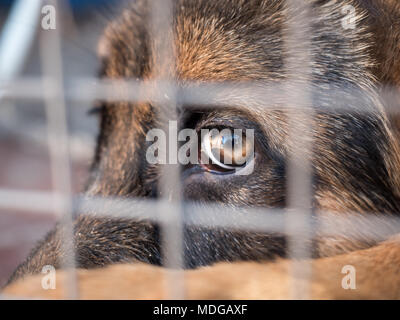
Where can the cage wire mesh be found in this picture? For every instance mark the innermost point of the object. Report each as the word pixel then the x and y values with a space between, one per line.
pixel 50 87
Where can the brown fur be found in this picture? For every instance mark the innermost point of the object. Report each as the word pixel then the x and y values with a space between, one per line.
pixel 377 277
pixel 356 157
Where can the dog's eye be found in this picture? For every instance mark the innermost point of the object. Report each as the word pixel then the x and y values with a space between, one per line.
pixel 227 149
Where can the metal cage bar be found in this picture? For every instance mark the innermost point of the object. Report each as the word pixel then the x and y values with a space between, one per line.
pixel 299 190
pixel 169 209
pixel 57 128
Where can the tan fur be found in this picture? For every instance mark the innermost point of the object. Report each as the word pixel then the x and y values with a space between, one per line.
pixel 377 277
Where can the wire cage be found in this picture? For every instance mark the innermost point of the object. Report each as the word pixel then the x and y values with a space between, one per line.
pixel 44 159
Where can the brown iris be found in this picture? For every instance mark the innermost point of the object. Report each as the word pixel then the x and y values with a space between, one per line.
pixel 227 149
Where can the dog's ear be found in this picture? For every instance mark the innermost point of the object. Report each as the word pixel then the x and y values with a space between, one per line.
pixel 124 48
pixel 125 53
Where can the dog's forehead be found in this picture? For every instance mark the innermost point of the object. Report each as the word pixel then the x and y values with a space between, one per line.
pixel 215 43
pixel 212 41
pixel 247 47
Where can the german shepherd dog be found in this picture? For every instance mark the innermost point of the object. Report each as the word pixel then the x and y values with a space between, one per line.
pixel 355 158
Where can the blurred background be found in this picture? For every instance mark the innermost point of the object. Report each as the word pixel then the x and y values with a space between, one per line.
pixel 24 155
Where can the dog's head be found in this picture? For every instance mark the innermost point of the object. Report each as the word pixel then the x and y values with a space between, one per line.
pixel 353 156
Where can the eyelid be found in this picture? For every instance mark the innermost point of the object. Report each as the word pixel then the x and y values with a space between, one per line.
pixel 224 123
